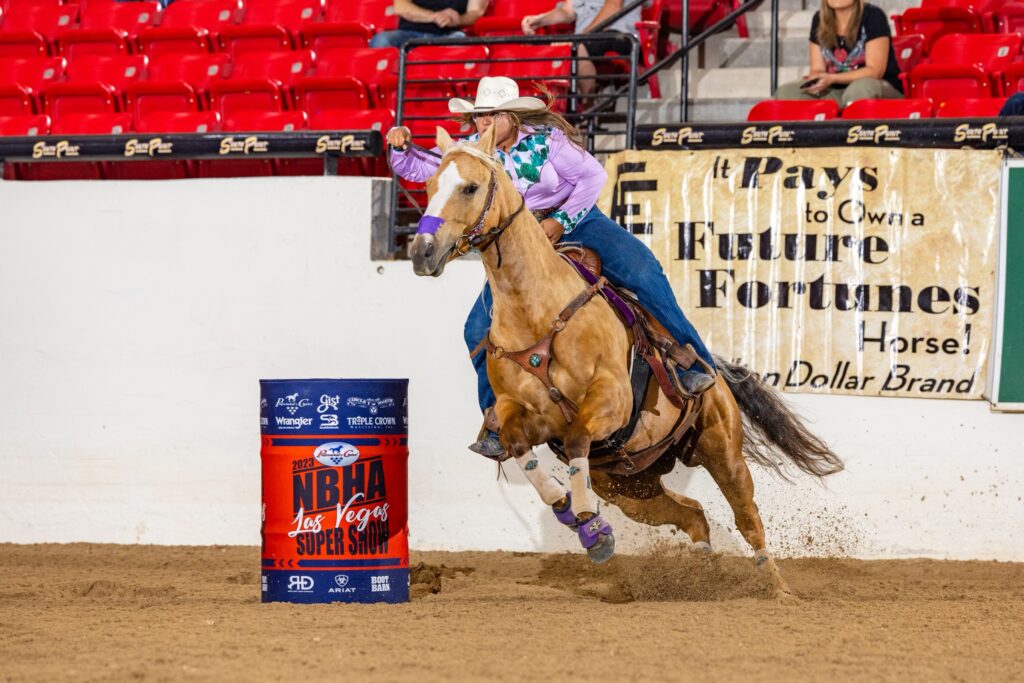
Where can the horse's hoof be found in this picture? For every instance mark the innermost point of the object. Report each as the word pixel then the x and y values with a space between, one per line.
pixel 603 550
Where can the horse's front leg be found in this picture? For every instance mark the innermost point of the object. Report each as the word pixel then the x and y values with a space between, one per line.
pixel 518 436
pixel 602 411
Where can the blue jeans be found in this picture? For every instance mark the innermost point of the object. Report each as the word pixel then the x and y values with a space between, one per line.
pixel 627 263
pixel 396 38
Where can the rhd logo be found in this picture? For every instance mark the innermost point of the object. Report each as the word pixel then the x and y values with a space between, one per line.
pixel 300 583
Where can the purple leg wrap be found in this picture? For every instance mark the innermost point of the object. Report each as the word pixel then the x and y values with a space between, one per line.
pixel 566 516
pixel 591 530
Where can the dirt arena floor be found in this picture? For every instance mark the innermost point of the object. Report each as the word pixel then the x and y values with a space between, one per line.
pixel 148 613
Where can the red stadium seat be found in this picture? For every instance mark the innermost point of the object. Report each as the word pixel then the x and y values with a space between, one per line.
pixel 505 17
pixel 462 66
pixel 231 96
pixel 266 121
pixel 939 82
pixel 164 40
pixel 16 100
pixel 888 109
pixel 335 35
pixel 967 108
pixel 47 20
pixel 794 110
pixel 22 44
pixel 118 71
pixel 318 94
pixel 28 124
pixel 1013 79
pixel 376 15
pixel 130 17
pixel 212 15
pixel 1008 18
pixel 934 22
pixel 352 119
pixel 909 50
pixel 993 51
pixel 370 65
pixel 703 13
pixel 61 99
pixel 198 70
pixel 535 67
pixel 423 99
pixel 77 42
pixel 239 39
pixel 105 123
pixel 33 73
pixel 178 122
pixel 64 170
pixel 293 15
pixel 147 98
pixel 283 66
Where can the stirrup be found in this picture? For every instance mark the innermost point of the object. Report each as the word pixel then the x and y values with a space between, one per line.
pixel 489 447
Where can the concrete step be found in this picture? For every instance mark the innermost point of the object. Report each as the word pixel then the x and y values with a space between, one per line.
pixel 745 52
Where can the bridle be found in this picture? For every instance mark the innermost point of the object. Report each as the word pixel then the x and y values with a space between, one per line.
pixel 474 238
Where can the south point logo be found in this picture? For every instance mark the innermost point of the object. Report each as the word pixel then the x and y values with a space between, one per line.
pixel 768 136
pixel 683 136
pixel 292 403
pixel 248 145
pixel 876 135
pixel 59 150
pixel 150 147
pixel 347 143
pixel 341 585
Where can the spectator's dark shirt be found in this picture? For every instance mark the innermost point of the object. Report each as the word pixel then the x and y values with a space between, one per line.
pixel 843 57
pixel 434 6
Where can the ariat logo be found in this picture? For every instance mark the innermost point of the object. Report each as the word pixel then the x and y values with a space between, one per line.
pixel 61 149
pixel 965 132
pixel 151 147
pixel 346 143
pixel 877 135
pixel 248 145
pixel 683 136
pixel 767 136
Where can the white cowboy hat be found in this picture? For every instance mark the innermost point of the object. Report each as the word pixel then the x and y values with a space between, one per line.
pixel 495 93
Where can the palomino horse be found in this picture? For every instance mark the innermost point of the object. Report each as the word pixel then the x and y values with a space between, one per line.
pixel 473 204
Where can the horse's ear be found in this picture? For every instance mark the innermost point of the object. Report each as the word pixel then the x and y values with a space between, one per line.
pixel 487 141
pixel 444 141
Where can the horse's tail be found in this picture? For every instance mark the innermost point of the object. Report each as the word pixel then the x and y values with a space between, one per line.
pixel 770 426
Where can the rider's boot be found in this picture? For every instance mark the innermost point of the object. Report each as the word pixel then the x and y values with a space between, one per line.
pixel 487 443
pixel 695 381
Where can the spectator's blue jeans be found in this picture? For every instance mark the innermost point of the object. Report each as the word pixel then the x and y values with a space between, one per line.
pixel 1014 105
pixel 396 38
pixel 627 263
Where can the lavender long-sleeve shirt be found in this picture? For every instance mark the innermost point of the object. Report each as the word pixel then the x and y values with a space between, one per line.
pixel 546 167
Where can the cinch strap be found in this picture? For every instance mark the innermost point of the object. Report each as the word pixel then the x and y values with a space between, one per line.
pixel 429 225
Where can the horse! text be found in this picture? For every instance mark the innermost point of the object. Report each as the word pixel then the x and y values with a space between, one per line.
pixel 473 204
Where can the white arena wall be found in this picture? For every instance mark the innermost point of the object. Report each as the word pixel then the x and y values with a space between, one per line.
pixel 137 317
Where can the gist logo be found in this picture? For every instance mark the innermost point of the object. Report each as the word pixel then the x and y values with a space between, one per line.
pixel 300 583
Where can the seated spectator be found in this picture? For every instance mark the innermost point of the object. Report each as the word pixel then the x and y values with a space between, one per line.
pixel 430 19
pixel 851 56
pixel 1014 105
pixel 586 14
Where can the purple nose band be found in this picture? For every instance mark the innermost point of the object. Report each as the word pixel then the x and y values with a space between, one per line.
pixel 429 225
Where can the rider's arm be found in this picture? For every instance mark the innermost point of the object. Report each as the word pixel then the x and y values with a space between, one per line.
pixel 413 164
pixel 579 168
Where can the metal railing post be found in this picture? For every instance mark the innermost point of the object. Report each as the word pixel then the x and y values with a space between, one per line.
pixel 684 85
pixel 775 46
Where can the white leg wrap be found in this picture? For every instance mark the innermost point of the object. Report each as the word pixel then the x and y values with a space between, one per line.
pixel 583 497
pixel 547 486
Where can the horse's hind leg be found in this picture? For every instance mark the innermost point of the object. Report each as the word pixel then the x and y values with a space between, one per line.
pixel 643 498
pixel 721 455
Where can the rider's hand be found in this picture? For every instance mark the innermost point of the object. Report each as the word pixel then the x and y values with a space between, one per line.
pixel 552 228
pixel 529 24
pixel 399 137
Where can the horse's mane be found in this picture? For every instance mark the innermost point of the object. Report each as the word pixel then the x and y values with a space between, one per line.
pixel 472 150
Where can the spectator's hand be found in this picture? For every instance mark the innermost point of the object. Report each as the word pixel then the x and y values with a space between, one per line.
pixel 399 137
pixel 823 81
pixel 530 24
pixel 453 15
pixel 443 18
pixel 552 228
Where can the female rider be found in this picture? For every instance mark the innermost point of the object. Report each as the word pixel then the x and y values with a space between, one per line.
pixel 560 182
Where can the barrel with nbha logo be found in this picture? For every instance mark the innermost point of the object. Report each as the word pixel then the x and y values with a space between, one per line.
pixel 335 490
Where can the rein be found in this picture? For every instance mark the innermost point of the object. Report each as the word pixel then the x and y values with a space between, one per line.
pixel 473 238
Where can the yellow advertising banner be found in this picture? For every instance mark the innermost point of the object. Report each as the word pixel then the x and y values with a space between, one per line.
pixel 855 271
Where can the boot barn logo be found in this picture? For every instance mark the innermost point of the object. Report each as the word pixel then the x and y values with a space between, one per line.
pixel 336 454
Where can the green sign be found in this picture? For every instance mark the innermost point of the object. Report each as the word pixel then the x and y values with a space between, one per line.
pixel 1007 385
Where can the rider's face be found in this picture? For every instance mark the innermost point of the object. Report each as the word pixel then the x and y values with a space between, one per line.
pixel 501 122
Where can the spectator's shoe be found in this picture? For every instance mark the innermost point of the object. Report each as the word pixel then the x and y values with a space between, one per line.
pixel 696 382
pixel 490 447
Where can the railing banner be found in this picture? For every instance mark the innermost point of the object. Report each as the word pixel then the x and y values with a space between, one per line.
pixel 830 270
